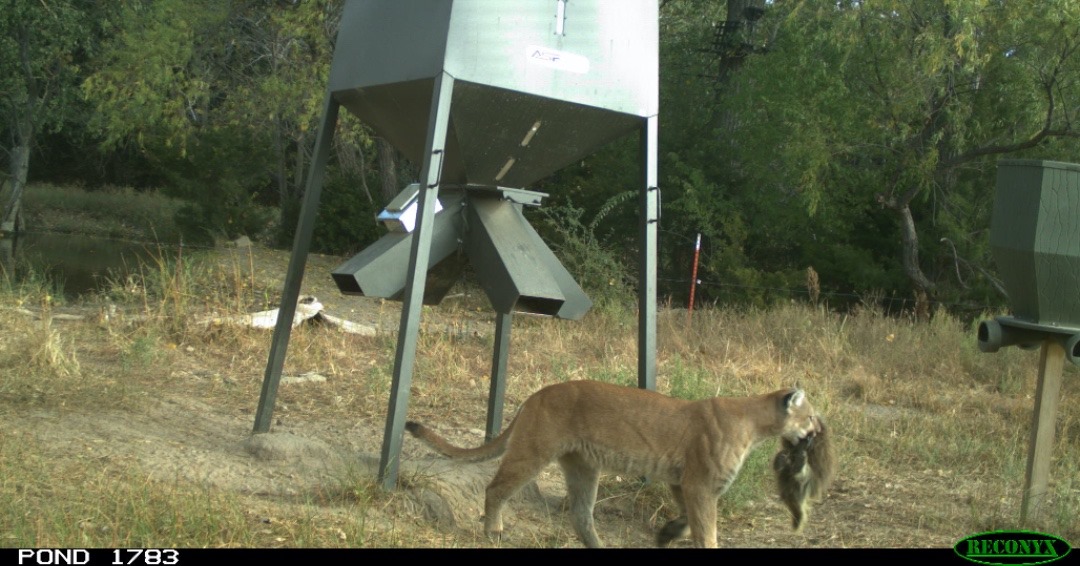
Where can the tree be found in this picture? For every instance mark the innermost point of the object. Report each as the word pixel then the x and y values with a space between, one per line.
pixel 185 75
pixel 44 45
pixel 895 102
pixel 749 245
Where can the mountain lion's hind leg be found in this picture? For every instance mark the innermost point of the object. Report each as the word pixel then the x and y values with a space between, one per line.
pixel 678 527
pixel 581 483
pixel 514 472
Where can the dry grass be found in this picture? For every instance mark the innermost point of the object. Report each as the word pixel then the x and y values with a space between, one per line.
pixel 932 435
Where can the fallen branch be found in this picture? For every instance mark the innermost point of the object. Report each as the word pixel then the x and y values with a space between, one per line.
pixel 307 308
pixel 44 316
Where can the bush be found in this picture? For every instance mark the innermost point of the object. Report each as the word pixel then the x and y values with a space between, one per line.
pixel 597 268
pixel 218 176
pixel 345 222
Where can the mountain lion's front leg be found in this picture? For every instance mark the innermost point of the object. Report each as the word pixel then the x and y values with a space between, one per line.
pixel 701 515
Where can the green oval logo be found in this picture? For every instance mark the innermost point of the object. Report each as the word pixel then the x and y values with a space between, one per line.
pixel 1012 548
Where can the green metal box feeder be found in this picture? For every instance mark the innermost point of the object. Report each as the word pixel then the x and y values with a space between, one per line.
pixel 1035 239
pixel 487 97
pixel 537 84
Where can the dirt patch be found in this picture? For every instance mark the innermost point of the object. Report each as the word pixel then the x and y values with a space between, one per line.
pixel 180 438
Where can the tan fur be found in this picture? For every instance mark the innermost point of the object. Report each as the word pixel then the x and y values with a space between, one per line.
pixel 804 469
pixel 696 447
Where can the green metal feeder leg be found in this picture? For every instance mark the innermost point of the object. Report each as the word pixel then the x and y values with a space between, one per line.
pixel 279 344
pixel 498 375
pixel 404 359
pixel 650 220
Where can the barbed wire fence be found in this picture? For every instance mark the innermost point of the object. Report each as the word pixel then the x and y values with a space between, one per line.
pixel 710 292
pixel 679 286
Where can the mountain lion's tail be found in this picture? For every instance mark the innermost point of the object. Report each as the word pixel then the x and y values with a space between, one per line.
pixel 488 451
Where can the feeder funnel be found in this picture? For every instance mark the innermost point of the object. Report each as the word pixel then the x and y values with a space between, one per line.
pixel 381 269
pixel 514 266
pixel 486 229
pixel 538 84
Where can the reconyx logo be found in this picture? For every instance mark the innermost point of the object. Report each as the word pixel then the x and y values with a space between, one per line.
pixel 1012 548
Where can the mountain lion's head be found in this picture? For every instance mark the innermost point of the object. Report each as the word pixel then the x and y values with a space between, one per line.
pixel 801 421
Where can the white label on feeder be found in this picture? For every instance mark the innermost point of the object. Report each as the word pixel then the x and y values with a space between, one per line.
pixel 560 17
pixel 560 60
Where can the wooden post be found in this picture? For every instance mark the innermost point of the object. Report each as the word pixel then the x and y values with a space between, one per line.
pixel 1051 362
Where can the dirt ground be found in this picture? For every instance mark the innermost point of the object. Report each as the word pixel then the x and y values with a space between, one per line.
pixel 195 430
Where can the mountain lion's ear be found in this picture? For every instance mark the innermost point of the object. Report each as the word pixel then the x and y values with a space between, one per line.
pixel 794 399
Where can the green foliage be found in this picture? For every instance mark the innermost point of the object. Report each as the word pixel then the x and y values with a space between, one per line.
pixel 45 47
pixel 149 84
pixel 112 212
pixel 597 267
pixel 805 154
pixel 346 221
pixel 224 96
pixel 218 177
pixel 888 105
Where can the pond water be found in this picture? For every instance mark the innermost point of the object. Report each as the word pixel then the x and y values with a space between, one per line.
pixel 77 264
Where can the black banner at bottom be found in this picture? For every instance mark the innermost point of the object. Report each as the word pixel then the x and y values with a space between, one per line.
pixel 177 556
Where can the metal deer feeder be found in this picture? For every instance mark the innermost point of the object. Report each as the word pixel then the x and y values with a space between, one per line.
pixel 1035 239
pixel 488 96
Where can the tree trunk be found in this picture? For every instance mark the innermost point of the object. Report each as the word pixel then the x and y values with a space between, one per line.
pixel 7 259
pixel 910 241
pixel 304 147
pixel 291 187
pixel 738 37
pixel 387 170
pixel 12 221
pixel 282 173
pixel 23 134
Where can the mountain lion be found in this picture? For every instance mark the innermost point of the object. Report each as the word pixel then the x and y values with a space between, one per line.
pixel 696 447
